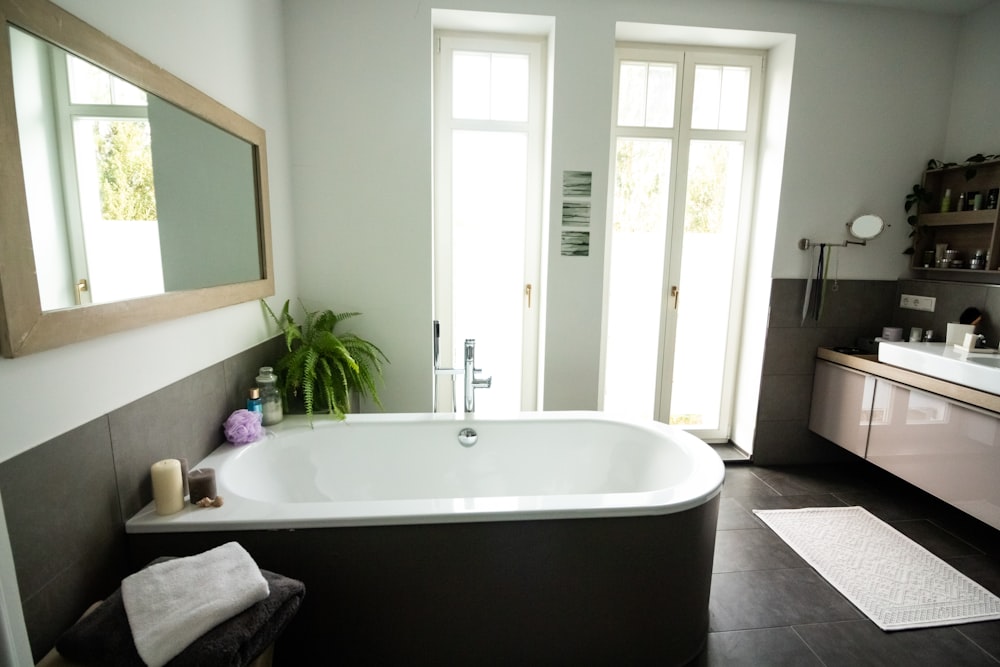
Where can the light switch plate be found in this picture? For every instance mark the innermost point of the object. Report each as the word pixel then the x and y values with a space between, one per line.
pixel 914 302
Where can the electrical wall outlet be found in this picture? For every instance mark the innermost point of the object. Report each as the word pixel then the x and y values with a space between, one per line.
pixel 913 302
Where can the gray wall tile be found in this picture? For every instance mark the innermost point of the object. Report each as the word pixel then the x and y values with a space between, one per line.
pixel 785 397
pixel 66 529
pixel 182 420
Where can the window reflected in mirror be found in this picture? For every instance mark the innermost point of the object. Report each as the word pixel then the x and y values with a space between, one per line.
pixel 128 196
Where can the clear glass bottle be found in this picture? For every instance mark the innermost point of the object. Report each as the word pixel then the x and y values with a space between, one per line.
pixel 270 399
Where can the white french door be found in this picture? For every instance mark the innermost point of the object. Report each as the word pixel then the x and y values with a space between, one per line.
pixel 488 153
pixel 685 148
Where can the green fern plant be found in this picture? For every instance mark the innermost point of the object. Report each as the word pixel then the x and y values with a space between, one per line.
pixel 323 368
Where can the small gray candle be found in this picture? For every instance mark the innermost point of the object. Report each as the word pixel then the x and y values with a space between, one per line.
pixel 201 484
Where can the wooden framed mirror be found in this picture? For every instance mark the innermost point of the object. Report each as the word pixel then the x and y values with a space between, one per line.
pixel 198 231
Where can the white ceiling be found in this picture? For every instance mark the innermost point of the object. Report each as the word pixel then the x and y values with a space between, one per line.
pixel 954 7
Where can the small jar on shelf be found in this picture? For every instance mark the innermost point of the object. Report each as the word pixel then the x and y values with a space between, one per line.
pixel 270 398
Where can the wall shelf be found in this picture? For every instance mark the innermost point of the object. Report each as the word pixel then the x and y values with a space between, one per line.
pixel 965 231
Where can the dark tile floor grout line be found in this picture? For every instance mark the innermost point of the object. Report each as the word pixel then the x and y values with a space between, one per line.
pixel 958 537
pixel 764 482
pixel 795 631
pixel 958 629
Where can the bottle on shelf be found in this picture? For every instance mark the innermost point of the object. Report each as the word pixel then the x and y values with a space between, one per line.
pixel 946 201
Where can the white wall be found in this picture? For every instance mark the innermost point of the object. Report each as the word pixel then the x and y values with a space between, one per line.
pixel 974 126
pixel 861 126
pixel 234 52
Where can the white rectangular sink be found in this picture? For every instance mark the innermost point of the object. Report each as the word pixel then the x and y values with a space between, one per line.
pixel 979 369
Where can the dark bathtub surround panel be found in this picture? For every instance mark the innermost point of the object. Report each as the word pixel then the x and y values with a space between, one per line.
pixel 66 501
pixel 613 591
pixel 66 529
pixel 857 308
pixel 952 299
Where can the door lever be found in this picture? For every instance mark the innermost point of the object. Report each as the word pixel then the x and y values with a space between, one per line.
pixel 81 287
pixel 676 294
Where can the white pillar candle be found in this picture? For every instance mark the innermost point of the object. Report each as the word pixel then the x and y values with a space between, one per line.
pixel 168 487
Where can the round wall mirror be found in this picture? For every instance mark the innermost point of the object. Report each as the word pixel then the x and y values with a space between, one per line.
pixel 866 227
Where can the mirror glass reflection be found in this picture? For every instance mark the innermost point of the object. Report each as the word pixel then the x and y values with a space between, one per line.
pixel 866 227
pixel 128 195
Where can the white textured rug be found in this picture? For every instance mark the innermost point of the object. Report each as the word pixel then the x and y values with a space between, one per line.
pixel 893 580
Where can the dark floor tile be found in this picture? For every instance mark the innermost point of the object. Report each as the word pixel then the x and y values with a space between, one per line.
pixel 762 502
pixel 984 537
pixel 800 480
pixel 775 647
pixel 856 643
pixel 938 541
pixel 893 505
pixel 740 481
pixel 754 549
pixel 773 598
pixel 733 516
pixel 985 635
pixel 984 570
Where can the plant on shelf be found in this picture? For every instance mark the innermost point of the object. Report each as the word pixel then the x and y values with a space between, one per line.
pixel 323 368
pixel 921 197
pixel 916 198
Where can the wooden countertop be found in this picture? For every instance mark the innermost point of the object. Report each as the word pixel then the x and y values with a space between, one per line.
pixel 869 363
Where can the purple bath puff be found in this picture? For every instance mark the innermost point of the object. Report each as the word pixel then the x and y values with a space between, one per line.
pixel 243 427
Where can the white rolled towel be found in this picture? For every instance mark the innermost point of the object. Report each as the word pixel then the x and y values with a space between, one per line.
pixel 171 604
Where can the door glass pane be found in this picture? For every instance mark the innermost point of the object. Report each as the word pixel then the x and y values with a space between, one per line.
pixel 642 175
pixel 509 87
pixel 660 95
pixel 490 86
pixel 646 93
pixel 488 235
pixel 715 171
pixel 721 96
pixel 470 90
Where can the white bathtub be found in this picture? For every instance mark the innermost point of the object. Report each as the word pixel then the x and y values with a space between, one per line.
pixel 411 468
pixel 557 538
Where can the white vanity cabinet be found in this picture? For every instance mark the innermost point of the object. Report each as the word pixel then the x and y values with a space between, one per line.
pixel 914 427
pixel 841 405
pixel 946 448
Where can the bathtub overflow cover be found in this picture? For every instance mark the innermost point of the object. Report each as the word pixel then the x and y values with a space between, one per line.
pixel 467 437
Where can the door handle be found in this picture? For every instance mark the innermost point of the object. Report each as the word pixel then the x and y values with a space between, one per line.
pixel 81 287
pixel 675 293
pixel 527 291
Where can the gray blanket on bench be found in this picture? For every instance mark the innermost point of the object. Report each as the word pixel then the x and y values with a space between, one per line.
pixel 103 637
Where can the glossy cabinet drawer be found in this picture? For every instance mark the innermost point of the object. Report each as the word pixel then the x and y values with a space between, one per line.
pixel 948 449
pixel 842 405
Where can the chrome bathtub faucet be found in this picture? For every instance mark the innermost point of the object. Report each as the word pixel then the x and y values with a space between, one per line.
pixel 471 382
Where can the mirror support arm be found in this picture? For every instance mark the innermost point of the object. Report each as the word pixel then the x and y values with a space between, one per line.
pixel 856 229
pixel 805 244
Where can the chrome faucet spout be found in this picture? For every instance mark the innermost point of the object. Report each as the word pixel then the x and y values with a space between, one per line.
pixel 471 381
